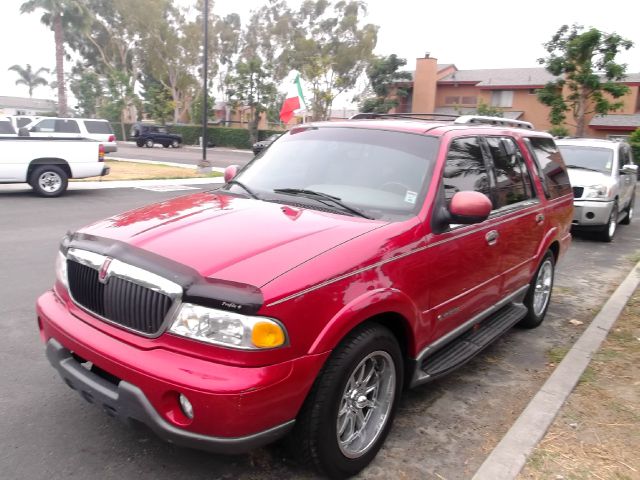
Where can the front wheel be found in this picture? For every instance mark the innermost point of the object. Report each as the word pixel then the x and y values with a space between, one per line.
pixel 49 181
pixel 175 144
pixel 629 211
pixel 349 411
pixel 149 143
pixel 538 296
pixel 609 231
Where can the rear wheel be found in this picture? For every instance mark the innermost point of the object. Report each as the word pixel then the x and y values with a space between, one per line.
pixel 149 143
pixel 629 211
pixel 349 411
pixel 538 296
pixel 49 180
pixel 609 231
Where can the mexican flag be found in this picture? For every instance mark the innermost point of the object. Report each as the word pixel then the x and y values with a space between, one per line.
pixel 293 101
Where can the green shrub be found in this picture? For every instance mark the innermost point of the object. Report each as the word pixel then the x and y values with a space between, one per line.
pixel 559 131
pixel 634 141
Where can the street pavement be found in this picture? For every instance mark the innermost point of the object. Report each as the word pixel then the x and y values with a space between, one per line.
pixel 219 157
pixel 443 430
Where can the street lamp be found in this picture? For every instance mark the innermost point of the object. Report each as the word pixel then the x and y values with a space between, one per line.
pixel 205 166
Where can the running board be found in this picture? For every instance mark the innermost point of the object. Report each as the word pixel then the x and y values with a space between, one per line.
pixel 469 344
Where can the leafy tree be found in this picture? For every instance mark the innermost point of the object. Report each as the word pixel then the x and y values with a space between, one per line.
pixel 158 101
pixel 488 110
pixel 383 76
pixel 87 88
pixel 634 141
pixel 30 78
pixel 559 131
pixel 60 16
pixel 588 75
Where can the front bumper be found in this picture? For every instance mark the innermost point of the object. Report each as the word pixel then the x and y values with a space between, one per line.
pixel 235 408
pixel 589 213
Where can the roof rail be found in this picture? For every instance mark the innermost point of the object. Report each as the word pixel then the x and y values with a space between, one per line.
pixel 414 116
pixel 504 122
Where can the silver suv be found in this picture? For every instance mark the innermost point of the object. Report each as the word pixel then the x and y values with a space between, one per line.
pixel 603 177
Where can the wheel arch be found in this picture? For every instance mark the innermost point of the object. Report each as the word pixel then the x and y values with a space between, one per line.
pixel 48 161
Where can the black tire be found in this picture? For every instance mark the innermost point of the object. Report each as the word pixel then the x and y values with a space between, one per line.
pixel 49 180
pixel 629 211
pixel 175 144
pixel 139 143
pixel 315 436
pixel 609 230
pixel 536 312
pixel 149 143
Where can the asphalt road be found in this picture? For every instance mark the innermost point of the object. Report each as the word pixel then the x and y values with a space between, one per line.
pixel 219 157
pixel 443 430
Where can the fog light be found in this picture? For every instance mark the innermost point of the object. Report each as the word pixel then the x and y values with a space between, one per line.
pixel 187 409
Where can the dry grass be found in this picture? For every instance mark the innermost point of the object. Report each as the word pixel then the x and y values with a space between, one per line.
pixel 597 433
pixel 144 171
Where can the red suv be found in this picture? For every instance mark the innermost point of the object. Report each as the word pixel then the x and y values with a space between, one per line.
pixel 344 262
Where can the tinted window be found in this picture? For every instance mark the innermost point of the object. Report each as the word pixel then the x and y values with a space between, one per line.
pixel 6 127
pixel 588 158
pixel 46 125
pixel 625 155
pixel 554 172
pixel 94 126
pixel 22 121
pixel 465 168
pixel 513 183
pixel 67 126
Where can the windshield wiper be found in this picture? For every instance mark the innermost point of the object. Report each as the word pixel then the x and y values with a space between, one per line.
pixel 322 198
pixel 244 187
pixel 584 168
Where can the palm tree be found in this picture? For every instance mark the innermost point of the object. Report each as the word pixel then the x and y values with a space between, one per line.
pixel 56 13
pixel 30 78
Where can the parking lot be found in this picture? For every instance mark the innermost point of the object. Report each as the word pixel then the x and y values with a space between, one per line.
pixel 443 430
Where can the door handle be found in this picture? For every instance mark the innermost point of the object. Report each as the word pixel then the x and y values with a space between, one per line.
pixel 539 218
pixel 492 237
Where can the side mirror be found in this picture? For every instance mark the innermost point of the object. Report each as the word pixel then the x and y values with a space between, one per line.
pixel 230 172
pixel 23 132
pixel 630 168
pixel 469 207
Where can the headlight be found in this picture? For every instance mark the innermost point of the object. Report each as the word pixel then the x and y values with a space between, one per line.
pixel 227 328
pixel 61 270
pixel 596 191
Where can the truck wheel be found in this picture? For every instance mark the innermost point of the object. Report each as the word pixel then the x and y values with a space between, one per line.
pixel 538 296
pixel 149 143
pixel 629 211
pixel 49 181
pixel 609 231
pixel 175 144
pixel 139 143
pixel 166 145
pixel 349 411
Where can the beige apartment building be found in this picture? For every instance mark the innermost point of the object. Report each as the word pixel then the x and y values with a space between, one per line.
pixel 443 88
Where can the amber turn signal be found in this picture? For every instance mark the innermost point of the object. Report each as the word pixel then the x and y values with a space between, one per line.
pixel 267 335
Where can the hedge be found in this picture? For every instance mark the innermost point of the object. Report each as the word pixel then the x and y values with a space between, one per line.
pixel 221 136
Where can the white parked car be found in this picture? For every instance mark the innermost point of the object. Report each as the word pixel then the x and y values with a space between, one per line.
pixel 92 128
pixel 47 164
pixel 20 121
pixel 603 177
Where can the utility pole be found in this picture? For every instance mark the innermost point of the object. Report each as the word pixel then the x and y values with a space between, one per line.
pixel 205 166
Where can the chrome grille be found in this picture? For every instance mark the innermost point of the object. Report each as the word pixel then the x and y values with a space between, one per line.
pixel 137 304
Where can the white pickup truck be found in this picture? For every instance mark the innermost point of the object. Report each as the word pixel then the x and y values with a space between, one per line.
pixel 47 163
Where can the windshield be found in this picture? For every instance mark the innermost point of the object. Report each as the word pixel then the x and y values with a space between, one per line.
pixel 590 158
pixel 379 173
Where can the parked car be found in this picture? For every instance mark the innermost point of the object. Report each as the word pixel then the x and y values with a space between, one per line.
pixel 48 164
pixel 6 128
pixel 603 176
pixel 91 128
pixel 348 260
pixel 262 144
pixel 147 135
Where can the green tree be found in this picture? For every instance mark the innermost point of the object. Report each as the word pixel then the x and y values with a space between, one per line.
pixel 383 77
pixel 634 141
pixel 158 101
pixel 60 16
pixel 587 74
pixel 30 78
pixel 488 110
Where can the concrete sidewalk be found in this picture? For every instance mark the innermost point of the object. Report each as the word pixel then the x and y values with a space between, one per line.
pixel 126 184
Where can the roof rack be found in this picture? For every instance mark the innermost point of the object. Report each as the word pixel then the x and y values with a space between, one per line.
pixel 503 122
pixel 414 116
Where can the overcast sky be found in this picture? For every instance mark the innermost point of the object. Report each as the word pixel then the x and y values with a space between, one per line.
pixel 468 33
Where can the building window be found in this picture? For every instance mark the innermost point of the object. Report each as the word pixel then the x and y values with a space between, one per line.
pixel 470 100
pixel 502 98
pixel 534 91
pixel 452 100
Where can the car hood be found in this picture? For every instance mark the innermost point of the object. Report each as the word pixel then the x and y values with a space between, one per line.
pixel 585 178
pixel 230 238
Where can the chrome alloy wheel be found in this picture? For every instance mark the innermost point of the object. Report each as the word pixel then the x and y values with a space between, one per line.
pixel 50 182
pixel 613 222
pixel 366 404
pixel 542 292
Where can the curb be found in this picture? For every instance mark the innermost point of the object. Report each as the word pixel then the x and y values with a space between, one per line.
pixel 168 164
pixel 195 147
pixel 510 455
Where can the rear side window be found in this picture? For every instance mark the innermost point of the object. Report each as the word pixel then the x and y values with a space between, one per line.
pixel 513 182
pixel 6 127
pixel 47 125
pixel 67 126
pixel 552 168
pixel 465 168
pixel 22 121
pixel 94 126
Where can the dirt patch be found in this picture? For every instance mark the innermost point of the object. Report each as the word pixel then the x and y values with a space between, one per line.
pixel 144 171
pixel 597 432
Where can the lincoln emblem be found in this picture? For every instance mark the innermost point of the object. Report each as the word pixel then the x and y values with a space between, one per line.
pixel 103 274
